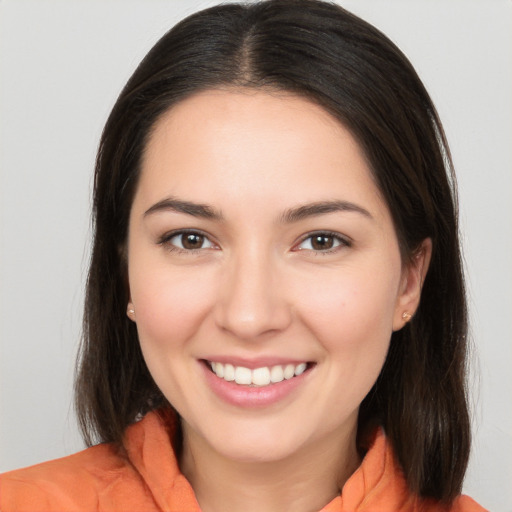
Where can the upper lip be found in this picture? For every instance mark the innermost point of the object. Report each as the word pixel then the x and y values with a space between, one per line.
pixel 257 362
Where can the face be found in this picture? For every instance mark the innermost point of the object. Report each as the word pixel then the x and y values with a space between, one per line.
pixel 264 272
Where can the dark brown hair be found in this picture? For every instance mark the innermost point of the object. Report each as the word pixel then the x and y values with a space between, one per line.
pixel 329 56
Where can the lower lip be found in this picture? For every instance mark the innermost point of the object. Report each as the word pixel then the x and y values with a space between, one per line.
pixel 252 396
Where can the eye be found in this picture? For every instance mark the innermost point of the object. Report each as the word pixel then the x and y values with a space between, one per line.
pixel 186 241
pixel 322 242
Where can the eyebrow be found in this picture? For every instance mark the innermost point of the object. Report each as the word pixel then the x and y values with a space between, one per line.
pixel 321 208
pixel 177 205
pixel 289 216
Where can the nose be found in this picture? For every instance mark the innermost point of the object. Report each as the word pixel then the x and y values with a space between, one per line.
pixel 252 298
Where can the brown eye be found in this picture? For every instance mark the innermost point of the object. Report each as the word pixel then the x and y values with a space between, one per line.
pixel 188 241
pixel 323 242
pixel 192 241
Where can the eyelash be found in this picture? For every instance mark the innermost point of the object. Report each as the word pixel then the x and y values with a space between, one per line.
pixel 342 242
pixel 165 239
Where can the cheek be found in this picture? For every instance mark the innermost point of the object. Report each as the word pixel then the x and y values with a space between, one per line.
pixel 351 318
pixel 170 304
pixel 351 312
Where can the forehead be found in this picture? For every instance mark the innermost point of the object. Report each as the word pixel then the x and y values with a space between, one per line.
pixel 223 143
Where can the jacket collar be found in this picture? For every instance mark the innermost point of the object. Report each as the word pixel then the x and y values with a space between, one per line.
pixel 378 483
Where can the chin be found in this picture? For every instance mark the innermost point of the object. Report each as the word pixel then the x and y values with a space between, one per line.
pixel 265 441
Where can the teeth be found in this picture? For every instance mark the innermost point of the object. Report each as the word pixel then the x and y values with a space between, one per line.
pixel 259 376
pixel 289 371
pixel 219 370
pixel 300 368
pixel 229 372
pixel 276 374
pixel 242 375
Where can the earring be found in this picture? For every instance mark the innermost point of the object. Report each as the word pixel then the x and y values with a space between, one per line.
pixel 130 311
pixel 406 316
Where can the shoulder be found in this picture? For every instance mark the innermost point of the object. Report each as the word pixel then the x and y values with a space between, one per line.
pixel 74 483
pixel 466 504
pixel 379 484
pixel 460 504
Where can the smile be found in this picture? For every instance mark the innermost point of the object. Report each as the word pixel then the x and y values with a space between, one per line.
pixel 258 376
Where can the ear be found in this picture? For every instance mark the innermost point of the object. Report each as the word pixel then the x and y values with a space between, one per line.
pixel 411 284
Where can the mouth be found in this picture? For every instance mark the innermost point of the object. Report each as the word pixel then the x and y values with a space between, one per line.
pixel 257 377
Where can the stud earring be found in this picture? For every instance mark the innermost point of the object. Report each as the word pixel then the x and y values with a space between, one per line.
pixel 130 311
pixel 406 316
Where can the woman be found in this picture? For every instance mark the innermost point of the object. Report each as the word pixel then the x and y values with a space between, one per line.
pixel 272 200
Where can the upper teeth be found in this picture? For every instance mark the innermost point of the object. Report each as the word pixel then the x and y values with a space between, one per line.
pixel 259 376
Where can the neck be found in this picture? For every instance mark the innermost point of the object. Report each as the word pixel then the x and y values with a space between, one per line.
pixel 304 481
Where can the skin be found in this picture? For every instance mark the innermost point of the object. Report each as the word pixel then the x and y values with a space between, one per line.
pixel 255 286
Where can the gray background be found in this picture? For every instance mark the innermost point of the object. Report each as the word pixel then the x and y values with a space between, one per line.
pixel 62 64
